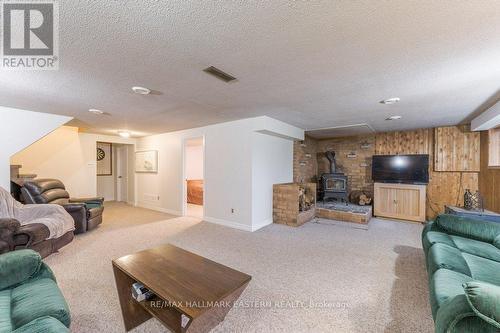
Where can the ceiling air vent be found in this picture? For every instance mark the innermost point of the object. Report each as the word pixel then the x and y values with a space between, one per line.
pixel 219 74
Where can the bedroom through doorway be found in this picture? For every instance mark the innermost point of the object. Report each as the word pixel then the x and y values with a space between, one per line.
pixel 194 157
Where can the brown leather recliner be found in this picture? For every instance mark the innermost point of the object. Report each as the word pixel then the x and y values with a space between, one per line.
pixel 14 236
pixel 87 212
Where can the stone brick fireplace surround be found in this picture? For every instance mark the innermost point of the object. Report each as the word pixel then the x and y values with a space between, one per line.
pixel 310 160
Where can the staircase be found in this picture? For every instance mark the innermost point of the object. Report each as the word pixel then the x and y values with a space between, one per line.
pixel 17 180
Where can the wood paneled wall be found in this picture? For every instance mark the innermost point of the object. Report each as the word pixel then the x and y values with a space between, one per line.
pixel 494 148
pixel 404 142
pixel 489 178
pixel 445 188
pixel 456 148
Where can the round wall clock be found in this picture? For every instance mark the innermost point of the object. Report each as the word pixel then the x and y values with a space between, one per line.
pixel 100 154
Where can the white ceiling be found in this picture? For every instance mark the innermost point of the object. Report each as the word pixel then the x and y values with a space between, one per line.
pixel 312 64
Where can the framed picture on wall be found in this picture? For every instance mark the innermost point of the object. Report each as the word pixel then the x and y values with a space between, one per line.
pixel 104 157
pixel 146 161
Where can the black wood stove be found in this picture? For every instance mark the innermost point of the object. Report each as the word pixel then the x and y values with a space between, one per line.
pixel 334 183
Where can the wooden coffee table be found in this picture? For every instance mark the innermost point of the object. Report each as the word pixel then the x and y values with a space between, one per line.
pixel 192 293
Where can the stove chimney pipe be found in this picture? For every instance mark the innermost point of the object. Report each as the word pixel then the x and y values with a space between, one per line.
pixel 330 155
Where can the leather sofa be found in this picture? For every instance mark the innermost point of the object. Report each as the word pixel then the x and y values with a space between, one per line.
pixel 14 236
pixel 87 212
pixel 30 300
pixel 463 265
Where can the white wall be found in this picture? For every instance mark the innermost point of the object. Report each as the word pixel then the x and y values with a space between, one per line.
pixel 194 162
pixel 227 173
pixel 67 155
pixel 228 169
pixel 19 129
pixel 272 158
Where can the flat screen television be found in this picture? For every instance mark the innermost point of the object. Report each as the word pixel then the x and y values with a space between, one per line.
pixel 410 169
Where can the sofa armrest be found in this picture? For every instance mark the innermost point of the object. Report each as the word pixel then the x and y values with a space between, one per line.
pixel 79 213
pixel 34 232
pixel 7 222
pixel 75 207
pixel 8 227
pixel 429 226
pixel 18 266
pixel 484 299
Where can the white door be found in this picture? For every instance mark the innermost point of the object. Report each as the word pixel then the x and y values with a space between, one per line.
pixel 121 174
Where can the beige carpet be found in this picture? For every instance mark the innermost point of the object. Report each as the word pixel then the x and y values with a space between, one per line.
pixel 370 280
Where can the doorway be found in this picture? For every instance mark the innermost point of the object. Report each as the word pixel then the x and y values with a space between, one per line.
pixel 115 176
pixel 194 177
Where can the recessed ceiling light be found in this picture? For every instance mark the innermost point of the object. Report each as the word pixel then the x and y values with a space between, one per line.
pixel 96 111
pixel 392 100
pixel 394 117
pixel 141 90
pixel 124 134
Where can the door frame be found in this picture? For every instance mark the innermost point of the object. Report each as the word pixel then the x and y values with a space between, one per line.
pixel 183 179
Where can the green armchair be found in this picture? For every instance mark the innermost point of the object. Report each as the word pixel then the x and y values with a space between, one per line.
pixel 30 300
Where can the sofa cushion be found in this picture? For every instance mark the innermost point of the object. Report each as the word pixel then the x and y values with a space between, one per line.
pixel 5 322
pixel 483 269
pixel 445 284
pixel 37 299
pixel 43 325
pixel 42 191
pixel 449 257
pixel 470 228
pixel 478 248
pixel 472 246
pixel 433 237
pixel 484 299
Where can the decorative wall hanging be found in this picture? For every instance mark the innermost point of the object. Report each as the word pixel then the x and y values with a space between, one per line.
pixel 473 201
pixel 146 161
pixel 104 158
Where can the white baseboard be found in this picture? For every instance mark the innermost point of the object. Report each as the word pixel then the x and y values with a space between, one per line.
pixel 159 209
pixel 214 220
pixel 261 224
pixel 227 223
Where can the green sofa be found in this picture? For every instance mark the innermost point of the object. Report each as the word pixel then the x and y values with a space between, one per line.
pixel 463 265
pixel 30 300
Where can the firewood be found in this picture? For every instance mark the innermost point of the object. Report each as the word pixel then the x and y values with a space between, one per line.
pixel 359 198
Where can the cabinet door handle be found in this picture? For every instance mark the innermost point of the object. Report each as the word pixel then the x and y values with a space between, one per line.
pixel 395 202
